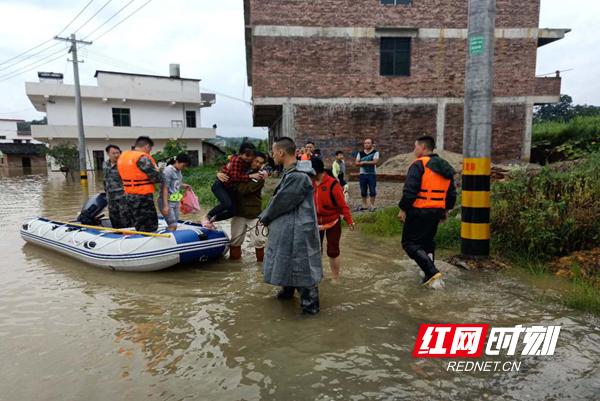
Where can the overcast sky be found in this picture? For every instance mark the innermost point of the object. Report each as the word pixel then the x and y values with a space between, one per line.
pixel 207 38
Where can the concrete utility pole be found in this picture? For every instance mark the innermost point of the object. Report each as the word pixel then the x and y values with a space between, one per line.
pixel 477 141
pixel 82 162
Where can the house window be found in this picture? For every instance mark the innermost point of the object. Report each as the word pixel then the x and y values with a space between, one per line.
pixel 17 141
pixel 190 118
pixel 121 117
pixel 396 2
pixel 395 56
pixel 2 136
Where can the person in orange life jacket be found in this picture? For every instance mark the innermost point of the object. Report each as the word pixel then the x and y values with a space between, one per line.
pixel 309 149
pixel 139 173
pixel 330 204
pixel 428 194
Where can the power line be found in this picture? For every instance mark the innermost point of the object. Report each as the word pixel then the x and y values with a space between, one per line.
pixel 18 56
pixel 123 20
pixel 77 16
pixel 2 79
pixel 92 17
pixel 28 57
pixel 19 71
pixel 108 20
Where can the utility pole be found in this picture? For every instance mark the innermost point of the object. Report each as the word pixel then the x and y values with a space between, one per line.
pixel 477 141
pixel 82 162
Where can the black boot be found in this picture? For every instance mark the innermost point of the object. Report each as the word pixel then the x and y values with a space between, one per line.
pixel 427 265
pixel 285 293
pixel 309 300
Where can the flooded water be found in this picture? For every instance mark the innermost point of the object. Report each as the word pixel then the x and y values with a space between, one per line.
pixel 214 332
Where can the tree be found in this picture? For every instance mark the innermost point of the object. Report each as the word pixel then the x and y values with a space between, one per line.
pixel 172 148
pixel 563 111
pixel 66 156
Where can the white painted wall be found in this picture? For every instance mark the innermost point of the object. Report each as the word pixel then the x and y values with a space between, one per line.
pixel 147 83
pixel 99 114
pixel 125 144
pixel 8 130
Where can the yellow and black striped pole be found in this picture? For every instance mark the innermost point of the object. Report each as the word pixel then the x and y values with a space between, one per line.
pixel 475 225
pixel 477 143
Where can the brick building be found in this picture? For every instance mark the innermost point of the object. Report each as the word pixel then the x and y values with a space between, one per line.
pixel 338 70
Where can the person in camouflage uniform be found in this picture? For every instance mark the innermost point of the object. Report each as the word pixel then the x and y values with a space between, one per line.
pixel 139 173
pixel 113 186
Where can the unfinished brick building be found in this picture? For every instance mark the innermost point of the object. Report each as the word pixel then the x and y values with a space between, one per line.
pixel 336 71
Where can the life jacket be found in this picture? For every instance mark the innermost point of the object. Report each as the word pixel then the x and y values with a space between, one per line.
pixel 135 181
pixel 434 188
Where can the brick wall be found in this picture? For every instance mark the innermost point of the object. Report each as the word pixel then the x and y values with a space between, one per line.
pixel 394 128
pixel 340 67
pixel 423 13
pixel 16 161
pixel 507 130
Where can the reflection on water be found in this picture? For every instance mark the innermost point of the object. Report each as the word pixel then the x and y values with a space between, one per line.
pixel 71 332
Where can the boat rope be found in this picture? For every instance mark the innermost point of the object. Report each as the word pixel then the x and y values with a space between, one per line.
pixel 258 231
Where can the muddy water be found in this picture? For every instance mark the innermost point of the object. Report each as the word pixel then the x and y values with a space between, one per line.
pixel 72 332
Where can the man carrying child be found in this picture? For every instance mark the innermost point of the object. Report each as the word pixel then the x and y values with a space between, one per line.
pixel 237 169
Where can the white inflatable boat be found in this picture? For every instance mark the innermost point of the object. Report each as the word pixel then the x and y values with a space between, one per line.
pixel 127 251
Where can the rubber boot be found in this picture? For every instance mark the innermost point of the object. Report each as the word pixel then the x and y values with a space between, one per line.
pixel 235 252
pixel 286 293
pixel 309 300
pixel 260 254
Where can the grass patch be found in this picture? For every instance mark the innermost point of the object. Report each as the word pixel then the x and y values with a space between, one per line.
pixel 582 295
pixel 201 179
pixel 385 223
pixel 570 140
pixel 550 214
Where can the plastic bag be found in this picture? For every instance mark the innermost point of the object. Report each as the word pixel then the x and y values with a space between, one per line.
pixel 189 203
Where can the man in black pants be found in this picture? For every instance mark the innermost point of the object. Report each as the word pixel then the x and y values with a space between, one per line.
pixel 428 194
pixel 237 172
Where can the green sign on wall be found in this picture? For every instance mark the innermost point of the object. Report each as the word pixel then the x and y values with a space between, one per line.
pixel 476 45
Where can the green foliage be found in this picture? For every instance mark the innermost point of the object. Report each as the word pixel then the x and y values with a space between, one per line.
pixel 563 111
pixel 385 223
pixel 201 180
pixel 550 214
pixel 66 156
pixel 172 148
pixel 382 223
pixel 581 136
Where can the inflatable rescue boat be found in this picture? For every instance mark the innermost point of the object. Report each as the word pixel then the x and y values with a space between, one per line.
pixel 125 250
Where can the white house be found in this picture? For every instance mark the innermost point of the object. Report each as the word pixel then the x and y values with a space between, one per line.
pixel 9 132
pixel 120 108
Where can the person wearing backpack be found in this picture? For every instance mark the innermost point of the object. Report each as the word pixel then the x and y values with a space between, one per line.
pixel 330 204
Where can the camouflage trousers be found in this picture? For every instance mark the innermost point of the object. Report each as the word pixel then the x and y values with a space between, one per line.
pixel 142 212
pixel 118 211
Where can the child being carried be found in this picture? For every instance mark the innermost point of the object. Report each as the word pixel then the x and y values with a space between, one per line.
pixel 236 171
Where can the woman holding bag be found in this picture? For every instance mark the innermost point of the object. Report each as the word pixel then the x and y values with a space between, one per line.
pixel 172 190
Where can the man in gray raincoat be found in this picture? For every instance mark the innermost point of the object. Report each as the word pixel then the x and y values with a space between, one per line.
pixel 293 255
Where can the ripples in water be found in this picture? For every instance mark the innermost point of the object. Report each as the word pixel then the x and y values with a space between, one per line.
pixel 71 332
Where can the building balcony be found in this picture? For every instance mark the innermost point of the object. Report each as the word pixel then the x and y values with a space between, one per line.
pixel 547 89
pixel 52 132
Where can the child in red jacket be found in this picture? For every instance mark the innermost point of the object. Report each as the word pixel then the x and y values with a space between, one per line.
pixel 331 206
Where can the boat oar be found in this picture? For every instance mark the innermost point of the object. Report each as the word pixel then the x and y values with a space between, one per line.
pixel 116 230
